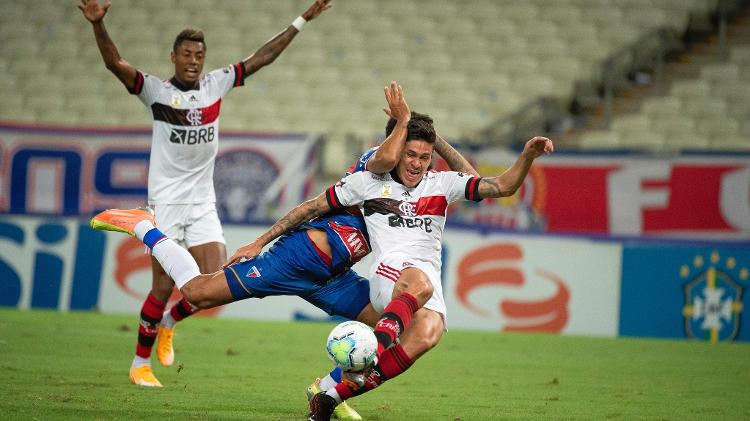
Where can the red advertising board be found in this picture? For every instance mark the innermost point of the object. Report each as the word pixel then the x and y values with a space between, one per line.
pixel 696 197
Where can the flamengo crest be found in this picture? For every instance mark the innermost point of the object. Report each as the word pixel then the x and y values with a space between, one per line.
pixel 195 116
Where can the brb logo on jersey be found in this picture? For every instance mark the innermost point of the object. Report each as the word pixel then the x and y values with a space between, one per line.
pixel 192 137
pixel 400 214
pixel 407 217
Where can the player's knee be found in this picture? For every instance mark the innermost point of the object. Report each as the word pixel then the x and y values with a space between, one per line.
pixel 416 283
pixel 196 295
pixel 424 291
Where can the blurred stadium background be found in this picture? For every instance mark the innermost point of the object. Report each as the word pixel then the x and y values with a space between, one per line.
pixel 638 226
pixel 489 71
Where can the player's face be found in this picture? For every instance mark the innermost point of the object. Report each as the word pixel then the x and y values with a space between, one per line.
pixel 414 162
pixel 188 61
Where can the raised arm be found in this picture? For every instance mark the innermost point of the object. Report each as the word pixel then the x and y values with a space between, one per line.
pixel 273 48
pixel 303 212
pixel 94 13
pixel 389 152
pixel 507 183
pixel 455 161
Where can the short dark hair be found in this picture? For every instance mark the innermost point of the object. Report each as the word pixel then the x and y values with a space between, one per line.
pixel 189 35
pixel 420 127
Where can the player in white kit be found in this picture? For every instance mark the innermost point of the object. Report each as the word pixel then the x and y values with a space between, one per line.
pixel 405 214
pixel 185 114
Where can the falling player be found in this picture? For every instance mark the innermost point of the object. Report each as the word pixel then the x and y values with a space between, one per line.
pixel 405 213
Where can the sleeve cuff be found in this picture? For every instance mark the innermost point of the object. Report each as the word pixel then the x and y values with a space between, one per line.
pixel 333 200
pixel 239 74
pixel 472 190
pixel 138 84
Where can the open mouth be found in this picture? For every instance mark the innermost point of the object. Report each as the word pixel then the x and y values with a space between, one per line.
pixel 191 71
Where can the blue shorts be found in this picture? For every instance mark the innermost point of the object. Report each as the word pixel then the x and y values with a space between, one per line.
pixel 292 266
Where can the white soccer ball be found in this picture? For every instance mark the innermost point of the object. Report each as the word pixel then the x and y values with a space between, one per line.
pixel 352 346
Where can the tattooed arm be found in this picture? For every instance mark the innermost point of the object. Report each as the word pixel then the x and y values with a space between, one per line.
pixel 273 48
pixel 507 183
pixel 94 13
pixel 303 212
pixel 456 161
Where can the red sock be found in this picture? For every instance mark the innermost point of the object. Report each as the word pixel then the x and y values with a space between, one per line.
pixel 395 319
pixel 181 310
pixel 151 314
pixel 393 362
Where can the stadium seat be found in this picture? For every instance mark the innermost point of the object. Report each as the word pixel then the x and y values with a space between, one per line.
pixel 642 140
pixel 735 144
pixel 740 55
pixel 704 107
pixel 604 15
pixel 718 74
pixel 658 107
pixel 672 125
pixel 686 90
pixel 631 123
pixel 718 128
pixel 599 139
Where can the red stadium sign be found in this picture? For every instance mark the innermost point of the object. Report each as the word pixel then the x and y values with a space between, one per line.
pixel 697 197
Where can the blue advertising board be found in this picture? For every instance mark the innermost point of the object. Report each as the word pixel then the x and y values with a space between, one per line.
pixel 684 291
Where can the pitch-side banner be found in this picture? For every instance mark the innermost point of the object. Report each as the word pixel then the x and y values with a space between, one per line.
pixel 532 284
pixel 496 283
pixel 698 293
pixel 693 197
pixel 78 171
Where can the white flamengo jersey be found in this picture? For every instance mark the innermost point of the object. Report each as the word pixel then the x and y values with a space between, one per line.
pixel 185 134
pixel 402 221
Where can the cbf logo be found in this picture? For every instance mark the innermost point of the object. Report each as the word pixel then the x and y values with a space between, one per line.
pixel 195 116
pixel 713 298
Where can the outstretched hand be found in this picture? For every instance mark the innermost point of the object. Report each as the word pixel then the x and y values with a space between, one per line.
pixel 317 8
pixel 93 11
pixel 397 107
pixel 245 252
pixel 537 146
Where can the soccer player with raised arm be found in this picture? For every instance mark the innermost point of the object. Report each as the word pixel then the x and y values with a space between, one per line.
pixel 312 262
pixel 185 114
pixel 405 213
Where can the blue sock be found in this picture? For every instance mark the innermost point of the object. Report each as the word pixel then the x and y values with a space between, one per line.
pixel 336 374
pixel 152 238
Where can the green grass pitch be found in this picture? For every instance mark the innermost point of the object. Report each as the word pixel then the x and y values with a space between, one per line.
pixel 74 366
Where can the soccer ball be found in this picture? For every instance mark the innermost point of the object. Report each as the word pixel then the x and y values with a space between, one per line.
pixel 352 346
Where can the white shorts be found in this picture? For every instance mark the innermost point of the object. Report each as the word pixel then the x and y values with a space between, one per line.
pixel 386 271
pixel 190 225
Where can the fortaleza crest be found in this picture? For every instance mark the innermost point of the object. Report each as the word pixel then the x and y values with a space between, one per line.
pixel 713 298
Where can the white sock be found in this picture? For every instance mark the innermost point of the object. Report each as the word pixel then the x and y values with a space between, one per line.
pixel 167 320
pixel 327 382
pixel 334 394
pixel 142 227
pixel 139 362
pixel 176 261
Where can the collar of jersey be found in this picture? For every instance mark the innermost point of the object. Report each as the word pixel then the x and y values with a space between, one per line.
pixel 181 86
pixel 397 179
